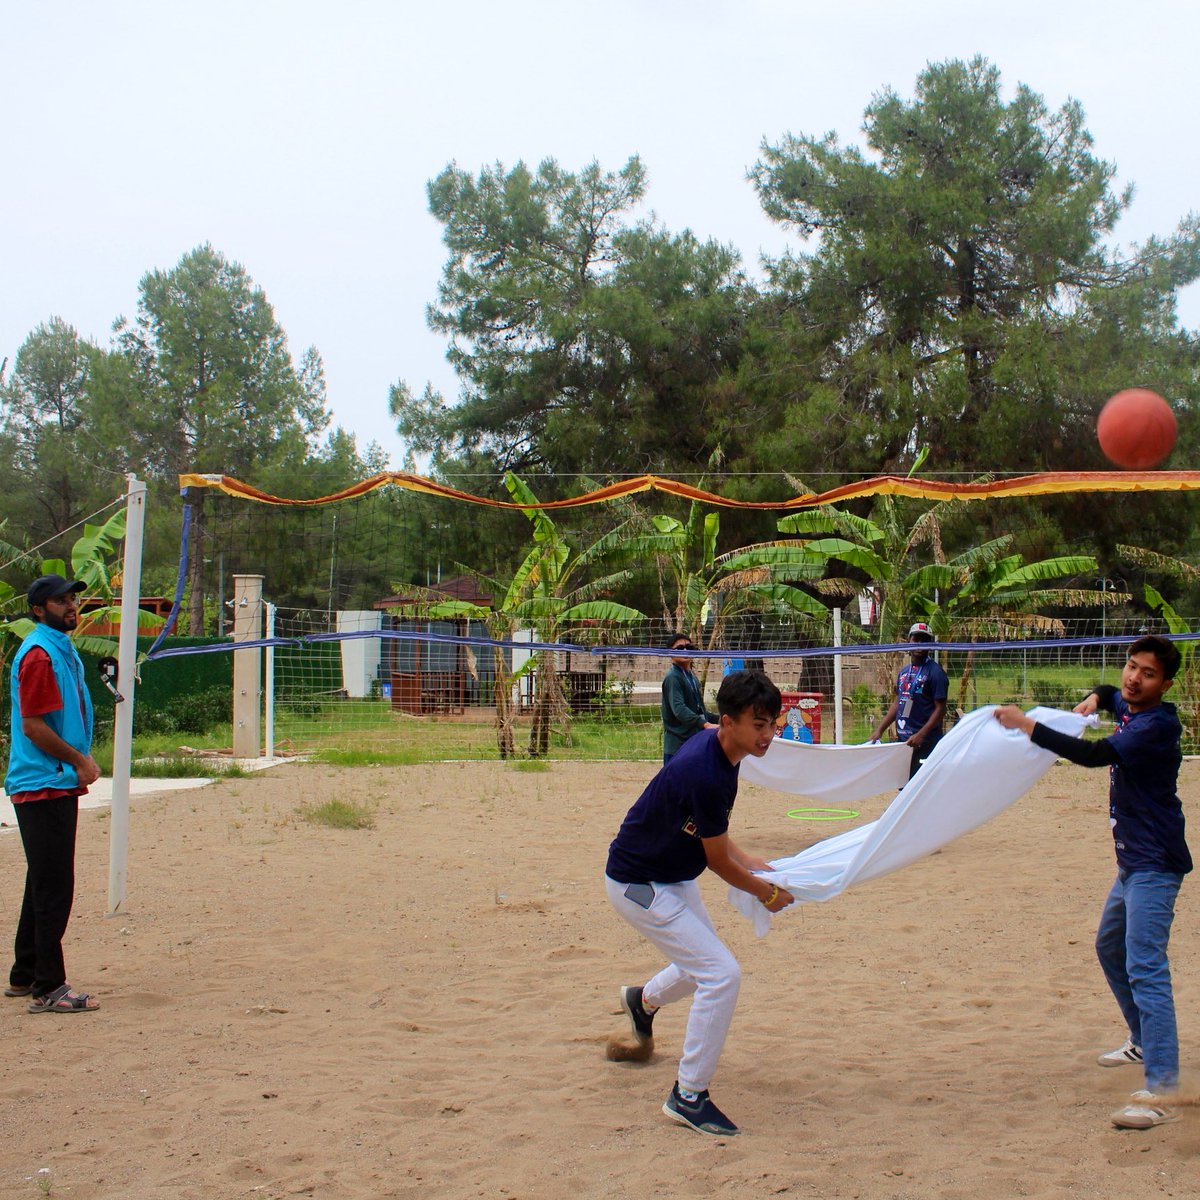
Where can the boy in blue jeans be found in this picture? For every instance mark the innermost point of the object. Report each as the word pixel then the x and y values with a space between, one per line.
pixel 1143 757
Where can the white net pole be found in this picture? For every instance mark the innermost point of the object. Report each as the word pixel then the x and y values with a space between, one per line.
pixel 131 590
pixel 837 677
pixel 269 720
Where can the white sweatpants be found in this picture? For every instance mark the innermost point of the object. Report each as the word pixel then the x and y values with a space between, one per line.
pixel 701 965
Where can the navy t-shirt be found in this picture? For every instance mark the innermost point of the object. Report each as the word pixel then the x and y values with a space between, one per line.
pixel 689 799
pixel 918 686
pixel 1145 810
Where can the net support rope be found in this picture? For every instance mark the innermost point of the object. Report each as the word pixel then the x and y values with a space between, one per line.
pixel 1040 484
pixel 603 649
pixel 180 582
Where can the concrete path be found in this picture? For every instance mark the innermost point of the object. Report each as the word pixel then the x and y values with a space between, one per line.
pixel 100 793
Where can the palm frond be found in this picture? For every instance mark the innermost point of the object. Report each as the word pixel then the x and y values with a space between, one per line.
pixel 788 599
pixel 1161 563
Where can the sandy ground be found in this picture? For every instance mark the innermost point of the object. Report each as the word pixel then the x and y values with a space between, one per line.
pixel 420 1009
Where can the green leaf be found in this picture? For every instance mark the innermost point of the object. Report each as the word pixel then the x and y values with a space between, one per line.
pixel 601 610
pixel 789 599
pixel 712 527
pixel 1175 623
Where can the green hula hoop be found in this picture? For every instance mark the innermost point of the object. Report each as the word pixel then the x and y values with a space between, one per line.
pixel 822 814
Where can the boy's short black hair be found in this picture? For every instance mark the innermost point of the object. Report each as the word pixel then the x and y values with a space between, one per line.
pixel 1164 650
pixel 741 690
pixel 679 637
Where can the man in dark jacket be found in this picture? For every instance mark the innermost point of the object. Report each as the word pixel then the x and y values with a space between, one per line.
pixel 683 711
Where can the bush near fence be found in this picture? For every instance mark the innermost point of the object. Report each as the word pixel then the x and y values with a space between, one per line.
pixel 187 694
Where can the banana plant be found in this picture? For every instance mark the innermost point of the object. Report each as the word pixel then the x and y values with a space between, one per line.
pixel 92 555
pixel 986 591
pixel 701 591
pixel 1188 675
pixel 553 593
pixel 549 592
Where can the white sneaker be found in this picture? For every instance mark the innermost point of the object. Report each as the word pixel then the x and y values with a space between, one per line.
pixel 1122 1056
pixel 1145 1111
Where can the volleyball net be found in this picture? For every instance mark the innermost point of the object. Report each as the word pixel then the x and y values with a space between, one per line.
pixel 427 689
pixel 376 646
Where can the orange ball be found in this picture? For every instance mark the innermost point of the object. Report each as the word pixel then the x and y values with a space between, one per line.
pixel 1136 429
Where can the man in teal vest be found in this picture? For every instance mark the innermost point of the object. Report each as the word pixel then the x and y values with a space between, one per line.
pixel 50 766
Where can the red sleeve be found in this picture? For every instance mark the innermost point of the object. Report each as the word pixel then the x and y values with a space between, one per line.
pixel 37 689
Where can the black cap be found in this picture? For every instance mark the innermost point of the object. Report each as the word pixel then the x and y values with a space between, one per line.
pixel 47 587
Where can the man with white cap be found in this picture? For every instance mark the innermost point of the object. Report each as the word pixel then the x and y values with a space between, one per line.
pixel 919 709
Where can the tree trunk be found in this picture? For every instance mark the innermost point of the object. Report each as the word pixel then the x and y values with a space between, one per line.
pixel 548 704
pixel 196 573
pixel 539 734
pixel 504 706
pixel 964 681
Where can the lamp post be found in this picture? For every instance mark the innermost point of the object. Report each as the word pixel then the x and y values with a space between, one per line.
pixel 1106 585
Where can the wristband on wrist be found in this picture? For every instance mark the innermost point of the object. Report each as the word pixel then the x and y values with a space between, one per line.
pixel 772 897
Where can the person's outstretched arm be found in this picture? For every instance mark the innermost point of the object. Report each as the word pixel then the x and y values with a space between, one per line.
pixel 888 718
pixel 1073 749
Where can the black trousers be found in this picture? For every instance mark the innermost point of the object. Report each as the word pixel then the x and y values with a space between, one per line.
pixel 921 753
pixel 48 835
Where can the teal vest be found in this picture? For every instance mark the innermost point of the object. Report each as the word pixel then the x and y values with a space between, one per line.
pixel 29 768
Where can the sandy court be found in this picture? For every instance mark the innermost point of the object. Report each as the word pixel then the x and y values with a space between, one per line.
pixel 420 1009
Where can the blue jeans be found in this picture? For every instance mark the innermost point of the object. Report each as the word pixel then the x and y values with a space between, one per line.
pixel 1131 944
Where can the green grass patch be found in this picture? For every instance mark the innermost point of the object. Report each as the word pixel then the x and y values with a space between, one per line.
pixel 186 768
pixel 381 738
pixel 166 745
pixel 531 764
pixel 338 814
pixel 158 757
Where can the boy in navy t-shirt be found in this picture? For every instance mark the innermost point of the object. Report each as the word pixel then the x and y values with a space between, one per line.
pixel 678 828
pixel 1146 815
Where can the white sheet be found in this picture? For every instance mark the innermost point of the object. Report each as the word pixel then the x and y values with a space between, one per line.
pixel 834 773
pixel 976 771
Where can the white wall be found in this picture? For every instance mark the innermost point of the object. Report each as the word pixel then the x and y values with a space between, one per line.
pixel 360 656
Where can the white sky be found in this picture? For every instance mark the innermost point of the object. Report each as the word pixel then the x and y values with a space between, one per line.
pixel 297 135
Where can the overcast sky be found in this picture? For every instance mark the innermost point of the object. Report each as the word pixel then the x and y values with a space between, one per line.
pixel 297 135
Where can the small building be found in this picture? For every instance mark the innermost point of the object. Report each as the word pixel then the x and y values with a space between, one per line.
pixel 425 677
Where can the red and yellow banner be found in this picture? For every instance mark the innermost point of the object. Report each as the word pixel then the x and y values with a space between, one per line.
pixel 1046 483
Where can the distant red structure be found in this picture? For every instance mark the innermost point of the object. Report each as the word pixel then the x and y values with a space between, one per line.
pixel 158 606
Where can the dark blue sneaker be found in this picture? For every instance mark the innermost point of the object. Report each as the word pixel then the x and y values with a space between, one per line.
pixel 700 1114
pixel 642 1021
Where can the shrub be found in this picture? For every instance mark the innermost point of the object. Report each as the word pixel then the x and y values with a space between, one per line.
pixel 1051 693
pixel 863 700
pixel 197 713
